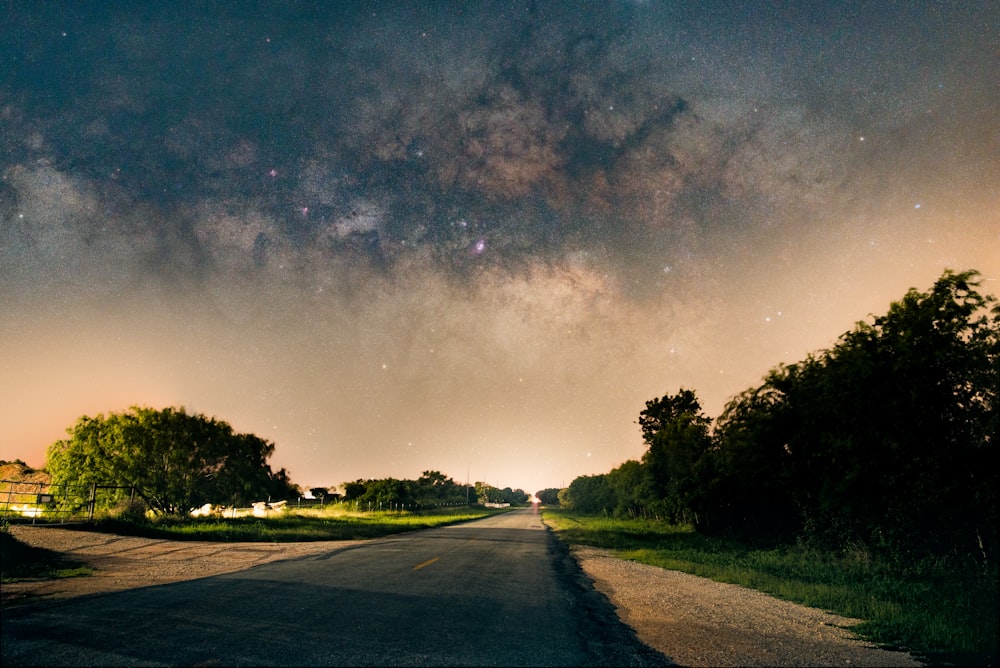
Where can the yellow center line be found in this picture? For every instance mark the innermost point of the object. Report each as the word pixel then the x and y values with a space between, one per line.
pixel 425 563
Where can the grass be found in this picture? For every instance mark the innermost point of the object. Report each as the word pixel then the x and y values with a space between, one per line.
pixel 19 561
pixel 942 611
pixel 298 525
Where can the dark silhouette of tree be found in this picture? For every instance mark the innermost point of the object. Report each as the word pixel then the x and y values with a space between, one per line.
pixel 435 488
pixel 886 439
pixel 751 474
pixel 669 408
pixel 354 490
pixel 548 496
pixel 678 437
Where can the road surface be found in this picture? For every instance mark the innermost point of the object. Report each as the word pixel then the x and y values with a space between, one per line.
pixel 500 591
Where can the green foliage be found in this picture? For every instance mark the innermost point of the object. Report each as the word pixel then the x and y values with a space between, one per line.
pixel 175 461
pixel 334 522
pixel 129 510
pixel 630 485
pixel 885 441
pixel 886 438
pixel 589 494
pixel 548 496
pixel 431 489
pixel 683 408
pixel 944 608
pixel 677 433
pixel 486 493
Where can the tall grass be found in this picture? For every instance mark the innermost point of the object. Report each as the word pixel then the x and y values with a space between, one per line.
pixel 943 611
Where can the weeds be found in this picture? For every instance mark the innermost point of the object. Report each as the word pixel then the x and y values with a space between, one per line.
pixel 941 610
pixel 23 562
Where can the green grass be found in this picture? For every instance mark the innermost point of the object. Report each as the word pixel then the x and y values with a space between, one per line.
pixel 298 525
pixel 19 561
pixel 944 611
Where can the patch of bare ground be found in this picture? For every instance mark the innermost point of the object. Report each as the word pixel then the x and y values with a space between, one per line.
pixel 699 622
pixel 126 562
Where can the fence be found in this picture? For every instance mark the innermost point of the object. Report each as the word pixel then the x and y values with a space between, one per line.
pixel 23 501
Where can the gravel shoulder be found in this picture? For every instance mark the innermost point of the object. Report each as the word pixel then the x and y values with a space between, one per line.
pixel 699 622
pixel 693 621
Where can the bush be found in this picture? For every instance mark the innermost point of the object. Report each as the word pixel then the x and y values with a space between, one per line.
pixel 130 510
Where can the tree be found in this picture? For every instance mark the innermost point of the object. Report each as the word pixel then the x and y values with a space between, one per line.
pixel 175 461
pixel 750 479
pixel 886 438
pixel 911 404
pixel 589 494
pixel 435 488
pixel 387 493
pixel 678 439
pixel 631 486
pixel 354 490
pixel 659 412
pixel 548 496
pixel 487 493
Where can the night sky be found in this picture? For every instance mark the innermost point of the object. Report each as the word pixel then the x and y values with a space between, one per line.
pixel 469 237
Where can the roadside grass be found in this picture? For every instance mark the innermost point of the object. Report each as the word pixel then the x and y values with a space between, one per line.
pixel 942 611
pixel 299 524
pixel 19 561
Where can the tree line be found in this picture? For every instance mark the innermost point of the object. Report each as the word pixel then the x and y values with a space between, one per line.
pixel 175 462
pixel 887 440
pixel 432 488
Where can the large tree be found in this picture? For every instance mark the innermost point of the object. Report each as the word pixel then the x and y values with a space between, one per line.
pixel 887 438
pixel 678 435
pixel 174 460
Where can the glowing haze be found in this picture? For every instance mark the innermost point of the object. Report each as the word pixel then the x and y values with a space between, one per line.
pixel 469 237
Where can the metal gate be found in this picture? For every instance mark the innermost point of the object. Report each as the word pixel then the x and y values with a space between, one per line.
pixel 34 501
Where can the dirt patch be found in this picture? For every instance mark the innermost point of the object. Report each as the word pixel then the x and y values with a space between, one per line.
pixel 699 622
pixel 126 562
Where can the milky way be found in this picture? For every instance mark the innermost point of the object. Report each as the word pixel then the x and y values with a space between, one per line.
pixel 472 237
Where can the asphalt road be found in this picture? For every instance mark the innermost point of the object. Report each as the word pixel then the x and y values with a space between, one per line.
pixel 502 591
